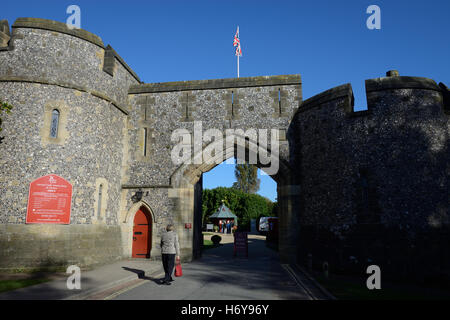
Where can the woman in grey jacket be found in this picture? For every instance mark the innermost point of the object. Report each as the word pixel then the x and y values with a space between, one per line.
pixel 169 249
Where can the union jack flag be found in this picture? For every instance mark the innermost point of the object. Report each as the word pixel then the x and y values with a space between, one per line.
pixel 237 43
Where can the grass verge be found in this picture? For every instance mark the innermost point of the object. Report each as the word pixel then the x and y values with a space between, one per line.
pixel 7 285
pixel 208 244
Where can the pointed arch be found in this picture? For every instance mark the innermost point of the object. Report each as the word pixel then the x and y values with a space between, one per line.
pixel 134 208
pixel 185 177
pixel 189 173
pixel 128 224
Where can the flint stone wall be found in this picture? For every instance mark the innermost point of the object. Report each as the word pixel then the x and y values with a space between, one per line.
pixel 375 183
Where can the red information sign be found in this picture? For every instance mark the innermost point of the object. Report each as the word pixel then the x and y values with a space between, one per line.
pixel 49 200
pixel 187 225
pixel 240 243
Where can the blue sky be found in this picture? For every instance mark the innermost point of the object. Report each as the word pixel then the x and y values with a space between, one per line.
pixel 223 175
pixel 327 42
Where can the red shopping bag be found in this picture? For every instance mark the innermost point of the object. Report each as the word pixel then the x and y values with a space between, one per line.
pixel 178 270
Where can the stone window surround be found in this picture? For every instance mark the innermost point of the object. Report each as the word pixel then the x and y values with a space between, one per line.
pixel 104 201
pixel 62 133
pixel 144 142
pixel 54 123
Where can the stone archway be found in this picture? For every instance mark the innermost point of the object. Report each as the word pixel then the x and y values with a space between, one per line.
pixel 203 110
pixel 185 183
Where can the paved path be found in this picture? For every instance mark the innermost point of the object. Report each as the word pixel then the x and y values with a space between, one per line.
pixel 216 276
pixel 219 276
pixel 99 280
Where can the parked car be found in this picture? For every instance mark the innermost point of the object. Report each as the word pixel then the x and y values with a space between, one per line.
pixel 265 224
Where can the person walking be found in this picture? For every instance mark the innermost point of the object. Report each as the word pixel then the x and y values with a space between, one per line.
pixel 224 226
pixel 170 249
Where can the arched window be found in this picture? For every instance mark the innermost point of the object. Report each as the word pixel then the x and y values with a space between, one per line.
pixel 54 124
pixel 145 141
pixel 99 201
pixel 279 101
pixel 232 103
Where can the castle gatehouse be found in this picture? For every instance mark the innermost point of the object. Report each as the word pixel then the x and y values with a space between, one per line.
pixel 82 117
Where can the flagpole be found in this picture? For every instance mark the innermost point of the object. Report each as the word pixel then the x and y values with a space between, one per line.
pixel 238 65
pixel 239 53
pixel 237 43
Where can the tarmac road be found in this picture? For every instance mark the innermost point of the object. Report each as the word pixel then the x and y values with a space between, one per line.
pixel 219 276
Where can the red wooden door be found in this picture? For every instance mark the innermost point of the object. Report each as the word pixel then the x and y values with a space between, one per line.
pixel 141 235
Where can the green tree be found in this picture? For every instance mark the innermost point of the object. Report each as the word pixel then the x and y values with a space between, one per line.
pixel 247 178
pixel 244 206
pixel 4 107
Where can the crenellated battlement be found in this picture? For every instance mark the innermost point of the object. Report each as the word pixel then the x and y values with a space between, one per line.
pixel 48 52
pixel 400 82
pixel 110 55
pixel 405 126
pixel 261 81
pixel 56 26
pixel 343 92
pixel 446 97
pixel 5 34
pixel 375 88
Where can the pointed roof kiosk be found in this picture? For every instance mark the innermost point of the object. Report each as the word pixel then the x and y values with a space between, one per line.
pixel 223 213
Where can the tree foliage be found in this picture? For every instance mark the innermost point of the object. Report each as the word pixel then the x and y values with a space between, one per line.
pixel 4 107
pixel 247 178
pixel 245 206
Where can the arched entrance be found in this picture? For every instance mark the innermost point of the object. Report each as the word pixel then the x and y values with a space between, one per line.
pixel 187 177
pixel 142 234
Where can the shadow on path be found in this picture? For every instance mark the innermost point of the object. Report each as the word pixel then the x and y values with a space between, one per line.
pixel 141 275
pixel 218 275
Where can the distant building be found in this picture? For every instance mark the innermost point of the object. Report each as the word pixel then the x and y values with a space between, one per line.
pixel 224 214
